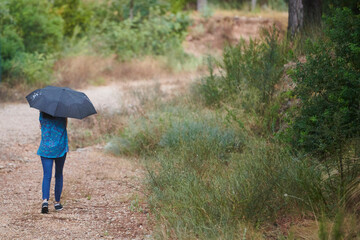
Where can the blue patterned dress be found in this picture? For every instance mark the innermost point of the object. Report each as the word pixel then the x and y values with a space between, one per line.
pixel 54 139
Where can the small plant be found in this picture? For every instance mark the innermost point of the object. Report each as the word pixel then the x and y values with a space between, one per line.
pixel 209 87
pixel 135 205
pixel 106 233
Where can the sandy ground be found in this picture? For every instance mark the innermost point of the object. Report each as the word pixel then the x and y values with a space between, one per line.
pixel 101 196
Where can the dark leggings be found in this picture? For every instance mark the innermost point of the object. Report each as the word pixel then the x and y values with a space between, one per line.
pixel 47 164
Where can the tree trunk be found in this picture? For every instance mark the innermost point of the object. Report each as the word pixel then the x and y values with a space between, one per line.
pixel 253 5
pixel 296 16
pixel 303 14
pixel 131 9
pixel 201 5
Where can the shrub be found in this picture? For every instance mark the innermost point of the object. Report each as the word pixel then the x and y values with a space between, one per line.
pixel 178 5
pixel 31 69
pixel 74 13
pixel 249 74
pixel 209 89
pixel 11 43
pixel 250 71
pixel 171 130
pixel 343 30
pixel 139 139
pixel 197 142
pixel 329 89
pixel 157 35
pixel 120 10
pixel 37 25
pixel 30 31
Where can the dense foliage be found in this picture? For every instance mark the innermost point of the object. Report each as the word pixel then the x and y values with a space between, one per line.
pixel 156 35
pixel 75 14
pixel 328 85
pixel 35 34
pixel 30 31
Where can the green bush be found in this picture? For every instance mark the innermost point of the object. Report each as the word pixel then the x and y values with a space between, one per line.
pixel 120 10
pixel 75 13
pixel 197 142
pixel 30 31
pixel 250 71
pixel 178 5
pixel 209 88
pixel 139 139
pixel 249 75
pixel 329 88
pixel 170 130
pixel 330 5
pixel 11 43
pixel 37 25
pixel 30 68
pixel 158 35
pixel 342 27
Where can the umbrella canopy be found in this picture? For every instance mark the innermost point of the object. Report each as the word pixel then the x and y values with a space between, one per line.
pixel 61 102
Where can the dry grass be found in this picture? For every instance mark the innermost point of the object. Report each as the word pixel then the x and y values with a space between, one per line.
pixel 94 129
pixel 14 93
pixel 138 69
pixel 228 27
pixel 353 201
pixel 309 229
pixel 79 71
pixel 281 17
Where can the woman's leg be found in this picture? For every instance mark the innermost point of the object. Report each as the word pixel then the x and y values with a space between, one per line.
pixel 47 164
pixel 59 166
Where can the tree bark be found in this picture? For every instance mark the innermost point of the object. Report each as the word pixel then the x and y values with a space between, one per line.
pixel 131 9
pixel 303 14
pixel 201 5
pixel 296 16
pixel 253 5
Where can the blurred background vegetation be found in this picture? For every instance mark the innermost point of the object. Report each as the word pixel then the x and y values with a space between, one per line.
pixel 42 32
pixel 265 145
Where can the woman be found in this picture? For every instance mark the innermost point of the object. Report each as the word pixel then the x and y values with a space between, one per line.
pixel 53 148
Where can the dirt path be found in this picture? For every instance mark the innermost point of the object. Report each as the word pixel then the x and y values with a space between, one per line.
pixel 101 192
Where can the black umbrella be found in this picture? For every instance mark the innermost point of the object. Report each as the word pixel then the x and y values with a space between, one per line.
pixel 61 102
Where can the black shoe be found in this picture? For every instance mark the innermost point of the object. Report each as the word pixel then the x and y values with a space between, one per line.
pixel 45 207
pixel 58 207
